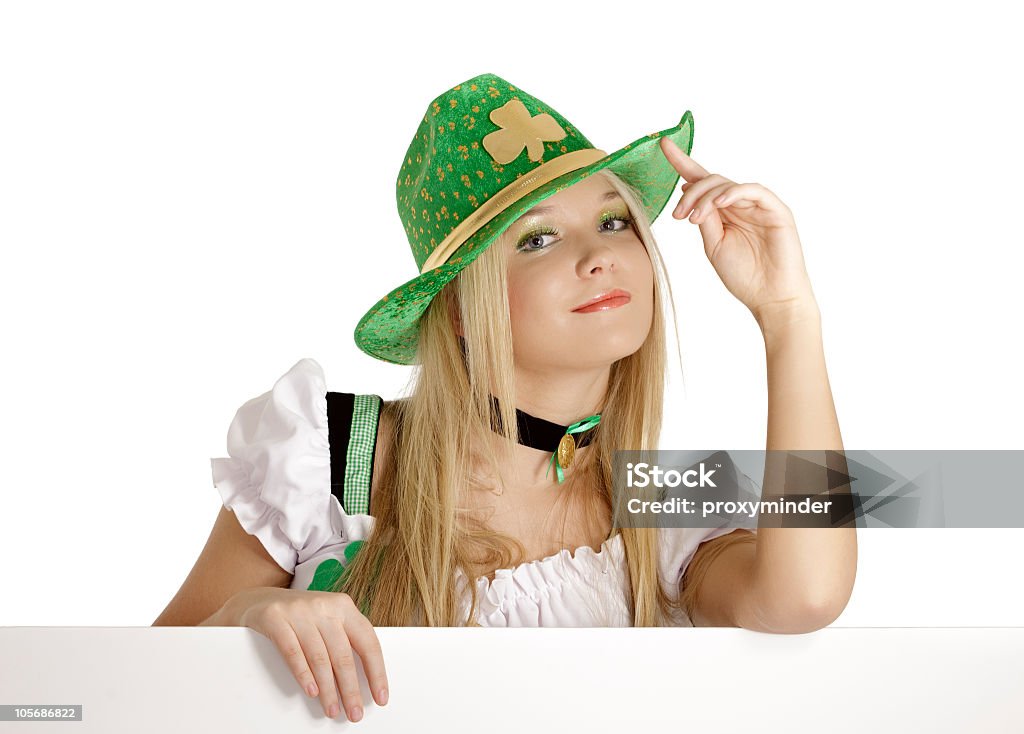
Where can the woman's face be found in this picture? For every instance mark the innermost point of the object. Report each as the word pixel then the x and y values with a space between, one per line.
pixel 574 246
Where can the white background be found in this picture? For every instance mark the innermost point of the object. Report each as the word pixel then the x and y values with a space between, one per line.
pixel 196 195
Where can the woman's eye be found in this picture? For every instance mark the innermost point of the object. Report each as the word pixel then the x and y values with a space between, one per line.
pixel 608 224
pixel 534 242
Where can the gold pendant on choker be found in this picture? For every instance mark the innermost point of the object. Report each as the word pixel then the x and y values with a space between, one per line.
pixel 566 450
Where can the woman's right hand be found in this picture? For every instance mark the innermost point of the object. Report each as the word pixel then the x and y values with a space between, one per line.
pixel 316 632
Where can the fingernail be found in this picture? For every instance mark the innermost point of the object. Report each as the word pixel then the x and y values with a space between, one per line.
pixel 694 215
pixel 332 710
pixel 311 689
pixel 357 713
pixel 382 695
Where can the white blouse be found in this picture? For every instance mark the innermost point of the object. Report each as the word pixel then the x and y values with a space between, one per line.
pixel 277 482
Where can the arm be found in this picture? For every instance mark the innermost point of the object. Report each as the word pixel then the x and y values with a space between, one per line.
pixel 231 561
pixel 231 613
pixel 792 579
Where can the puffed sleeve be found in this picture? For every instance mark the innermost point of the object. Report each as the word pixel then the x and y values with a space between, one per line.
pixel 277 480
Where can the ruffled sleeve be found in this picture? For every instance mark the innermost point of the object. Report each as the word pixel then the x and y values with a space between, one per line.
pixel 277 480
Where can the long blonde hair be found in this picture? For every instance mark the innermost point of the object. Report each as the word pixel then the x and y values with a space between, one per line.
pixel 405 574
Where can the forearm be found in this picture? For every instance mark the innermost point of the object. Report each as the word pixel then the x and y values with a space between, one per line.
pixel 802 577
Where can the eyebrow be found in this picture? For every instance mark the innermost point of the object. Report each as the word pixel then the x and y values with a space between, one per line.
pixel 540 209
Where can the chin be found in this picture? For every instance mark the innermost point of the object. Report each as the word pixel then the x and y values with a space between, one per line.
pixel 576 355
pixel 614 344
pixel 613 353
pixel 604 344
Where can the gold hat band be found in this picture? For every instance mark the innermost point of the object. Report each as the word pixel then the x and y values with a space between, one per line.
pixel 507 196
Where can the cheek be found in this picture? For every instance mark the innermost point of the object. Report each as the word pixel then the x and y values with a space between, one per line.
pixel 643 266
pixel 515 296
pixel 533 302
pixel 522 300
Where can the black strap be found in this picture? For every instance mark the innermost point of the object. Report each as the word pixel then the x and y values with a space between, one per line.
pixel 538 433
pixel 340 415
pixel 340 406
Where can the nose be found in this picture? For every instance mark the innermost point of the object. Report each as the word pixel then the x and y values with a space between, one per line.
pixel 596 256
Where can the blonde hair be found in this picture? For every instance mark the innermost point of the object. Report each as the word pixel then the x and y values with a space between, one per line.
pixel 405 574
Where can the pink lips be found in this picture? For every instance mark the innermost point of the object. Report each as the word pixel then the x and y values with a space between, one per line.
pixel 604 301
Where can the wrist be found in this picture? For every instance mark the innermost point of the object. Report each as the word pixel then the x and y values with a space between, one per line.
pixel 230 614
pixel 780 319
pixel 214 620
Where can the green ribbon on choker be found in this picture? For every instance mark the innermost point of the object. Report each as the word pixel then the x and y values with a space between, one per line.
pixel 578 427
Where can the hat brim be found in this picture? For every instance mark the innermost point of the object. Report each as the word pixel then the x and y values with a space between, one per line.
pixel 389 331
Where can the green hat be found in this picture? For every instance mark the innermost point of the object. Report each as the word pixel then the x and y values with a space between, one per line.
pixel 484 153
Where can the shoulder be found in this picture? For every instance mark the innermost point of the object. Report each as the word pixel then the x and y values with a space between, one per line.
pixel 679 547
pixel 713 599
pixel 276 477
pixel 296 398
pixel 278 429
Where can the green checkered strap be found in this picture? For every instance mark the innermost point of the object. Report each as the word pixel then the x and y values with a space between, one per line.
pixel 352 433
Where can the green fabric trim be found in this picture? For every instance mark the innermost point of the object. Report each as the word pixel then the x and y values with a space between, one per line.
pixel 331 570
pixel 327 574
pixel 359 458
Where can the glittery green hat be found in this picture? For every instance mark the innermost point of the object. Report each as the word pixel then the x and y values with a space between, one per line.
pixel 484 153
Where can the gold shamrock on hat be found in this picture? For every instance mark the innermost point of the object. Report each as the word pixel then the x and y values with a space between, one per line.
pixel 519 130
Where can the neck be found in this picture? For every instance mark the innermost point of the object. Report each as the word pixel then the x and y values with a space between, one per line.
pixel 559 397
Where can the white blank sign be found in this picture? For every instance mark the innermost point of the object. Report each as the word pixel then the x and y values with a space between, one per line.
pixel 708 680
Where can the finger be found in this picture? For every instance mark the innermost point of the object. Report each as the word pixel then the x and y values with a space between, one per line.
pixel 364 639
pixel 705 215
pixel 695 191
pixel 287 642
pixel 749 194
pixel 709 201
pixel 334 632
pixel 685 166
pixel 320 661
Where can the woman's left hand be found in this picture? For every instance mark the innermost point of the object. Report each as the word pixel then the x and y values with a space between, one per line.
pixel 750 238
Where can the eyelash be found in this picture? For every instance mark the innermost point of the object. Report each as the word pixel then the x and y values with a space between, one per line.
pixel 552 231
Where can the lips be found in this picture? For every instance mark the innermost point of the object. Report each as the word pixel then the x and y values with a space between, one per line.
pixel 604 301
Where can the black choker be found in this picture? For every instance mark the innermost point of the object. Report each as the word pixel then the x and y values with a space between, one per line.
pixel 561 441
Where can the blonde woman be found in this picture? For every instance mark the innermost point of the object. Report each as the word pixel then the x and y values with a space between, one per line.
pixel 537 329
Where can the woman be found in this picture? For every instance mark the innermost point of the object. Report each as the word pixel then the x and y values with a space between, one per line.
pixel 484 497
